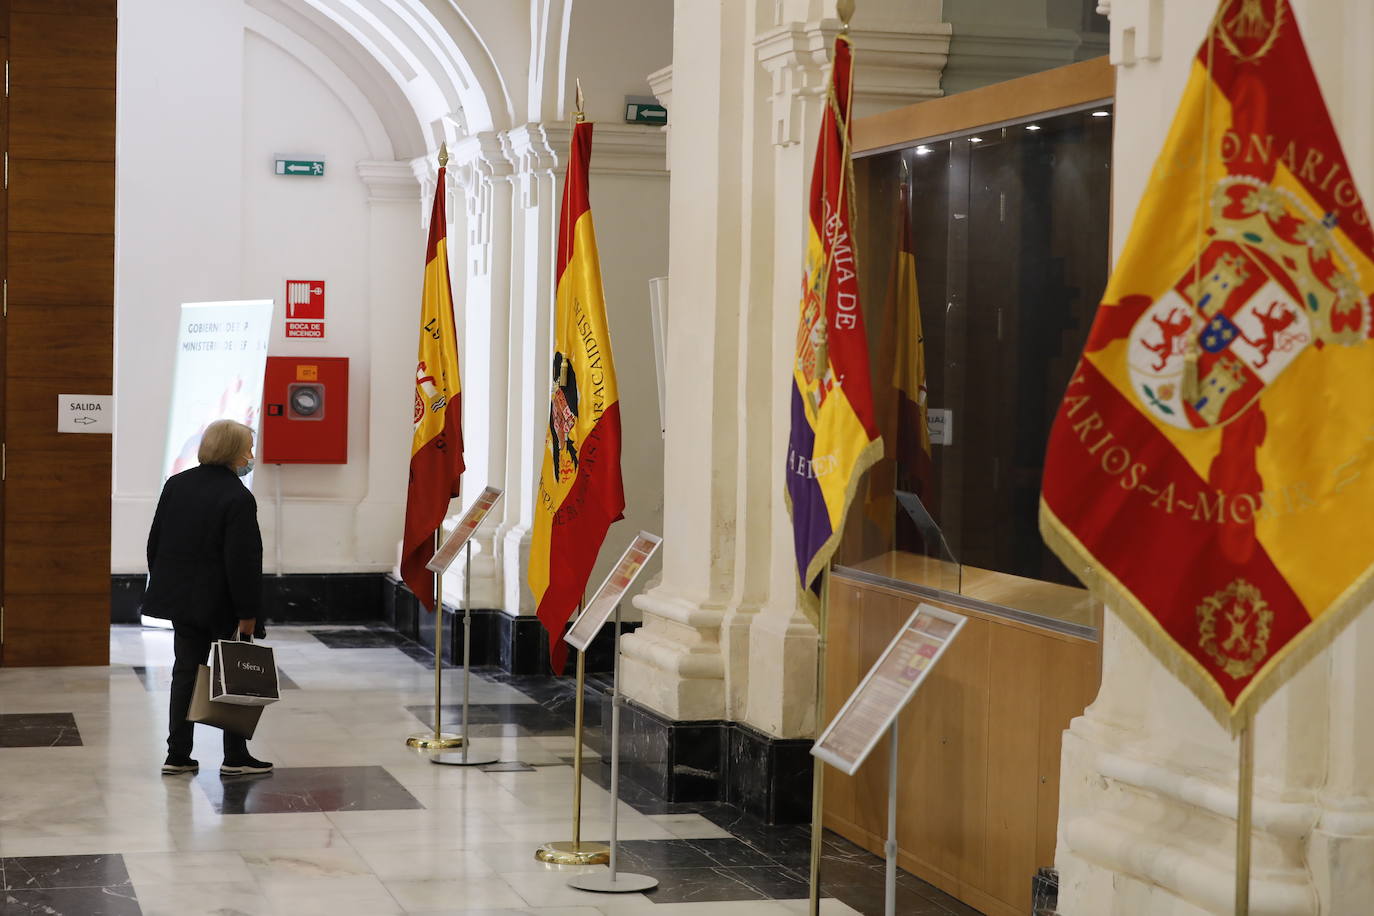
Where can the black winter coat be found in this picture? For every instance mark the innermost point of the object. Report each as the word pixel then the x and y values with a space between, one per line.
pixel 205 551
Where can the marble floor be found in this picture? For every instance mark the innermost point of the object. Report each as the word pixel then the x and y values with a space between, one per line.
pixel 352 821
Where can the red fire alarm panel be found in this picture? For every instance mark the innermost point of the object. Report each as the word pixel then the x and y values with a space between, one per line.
pixel 305 410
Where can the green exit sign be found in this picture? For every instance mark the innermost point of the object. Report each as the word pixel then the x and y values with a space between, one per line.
pixel 639 113
pixel 311 167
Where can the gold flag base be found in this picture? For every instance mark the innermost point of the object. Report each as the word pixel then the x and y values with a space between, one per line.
pixel 574 853
pixel 429 741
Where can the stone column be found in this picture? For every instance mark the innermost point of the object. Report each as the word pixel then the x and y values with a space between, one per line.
pixel 1148 787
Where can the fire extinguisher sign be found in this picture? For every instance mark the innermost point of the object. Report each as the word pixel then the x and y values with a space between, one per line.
pixel 305 308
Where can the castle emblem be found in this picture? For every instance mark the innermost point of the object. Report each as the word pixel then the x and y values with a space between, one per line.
pixel 1234 626
pixel 1272 284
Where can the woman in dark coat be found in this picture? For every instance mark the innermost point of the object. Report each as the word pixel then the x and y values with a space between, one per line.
pixel 205 575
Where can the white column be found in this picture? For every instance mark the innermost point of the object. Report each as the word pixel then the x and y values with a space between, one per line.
pixel 1148 785
pixel 394 282
pixel 536 152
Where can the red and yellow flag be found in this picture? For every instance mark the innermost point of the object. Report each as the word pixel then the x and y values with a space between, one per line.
pixel 834 435
pixel 914 468
pixel 436 447
pixel 580 488
pixel 1209 472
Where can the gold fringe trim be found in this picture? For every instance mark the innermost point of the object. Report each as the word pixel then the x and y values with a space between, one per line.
pixel 1292 658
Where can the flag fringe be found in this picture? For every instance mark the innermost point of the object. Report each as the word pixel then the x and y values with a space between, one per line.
pixel 1277 672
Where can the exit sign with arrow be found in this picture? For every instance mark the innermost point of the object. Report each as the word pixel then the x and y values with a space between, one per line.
pixel 301 166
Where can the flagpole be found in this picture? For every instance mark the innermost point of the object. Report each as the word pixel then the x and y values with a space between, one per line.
pixel 1244 809
pixel 438 739
pixel 576 852
pixel 817 767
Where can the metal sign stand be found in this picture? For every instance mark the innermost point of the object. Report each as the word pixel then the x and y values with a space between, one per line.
pixel 890 848
pixel 439 739
pixel 613 881
pixel 463 758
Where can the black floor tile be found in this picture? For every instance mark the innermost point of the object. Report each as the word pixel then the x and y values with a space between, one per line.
pixel 39 729
pixel 307 789
pixel 533 718
pixel 360 638
pixel 773 882
pixel 36 872
pixel 684 885
pixel 76 901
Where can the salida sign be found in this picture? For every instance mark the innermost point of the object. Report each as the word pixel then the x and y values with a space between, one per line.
pixel 305 308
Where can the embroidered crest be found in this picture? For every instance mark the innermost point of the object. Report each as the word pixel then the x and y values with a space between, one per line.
pixel 1249 28
pixel 1272 282
pixel 1233 628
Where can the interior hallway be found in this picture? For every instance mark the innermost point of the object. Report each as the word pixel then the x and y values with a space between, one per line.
pixel 352 821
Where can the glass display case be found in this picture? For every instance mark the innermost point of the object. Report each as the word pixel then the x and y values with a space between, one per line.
pixel 983 254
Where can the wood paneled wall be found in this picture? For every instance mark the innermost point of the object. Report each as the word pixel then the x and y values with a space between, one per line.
pixel 978 784
pixel 58 335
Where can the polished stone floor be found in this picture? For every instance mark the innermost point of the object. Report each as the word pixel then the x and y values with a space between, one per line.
pixel 352 821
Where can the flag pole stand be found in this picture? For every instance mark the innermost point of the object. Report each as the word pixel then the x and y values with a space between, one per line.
pixel 817 767
pixel 1244 811
pixel 437 739
pixel 614 881
pixel 576 852
pixel 464 759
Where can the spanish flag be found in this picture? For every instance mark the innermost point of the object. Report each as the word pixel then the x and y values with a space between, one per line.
pixel 834 436
pixel 580 489
pixel 1210 470
pixel 914 466
pixel 436 446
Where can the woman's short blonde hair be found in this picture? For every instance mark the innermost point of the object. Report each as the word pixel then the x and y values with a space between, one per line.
pixel 224 442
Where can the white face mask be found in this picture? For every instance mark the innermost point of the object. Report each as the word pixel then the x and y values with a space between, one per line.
pixel 245 470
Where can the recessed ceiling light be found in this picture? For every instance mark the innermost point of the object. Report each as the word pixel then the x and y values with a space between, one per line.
pixel 1102 114
pixel 975 139
pixel 1032 127
pixel 922 150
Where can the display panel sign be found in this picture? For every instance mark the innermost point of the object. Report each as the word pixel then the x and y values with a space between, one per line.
pixel 220 357
pixel 888 687
pixel 467 526
pixel 623 575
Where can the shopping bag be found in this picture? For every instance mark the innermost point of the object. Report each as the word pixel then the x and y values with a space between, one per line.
pixel 241 720
pixel 243 673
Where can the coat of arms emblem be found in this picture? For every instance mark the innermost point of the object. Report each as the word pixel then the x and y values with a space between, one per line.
pixel 1234 626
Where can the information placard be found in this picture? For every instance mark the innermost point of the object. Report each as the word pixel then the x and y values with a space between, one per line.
pixel 599 610
pixel 448 551
pixel 887 688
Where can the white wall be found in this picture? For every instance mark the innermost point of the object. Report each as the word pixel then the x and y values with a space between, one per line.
pixel 225 84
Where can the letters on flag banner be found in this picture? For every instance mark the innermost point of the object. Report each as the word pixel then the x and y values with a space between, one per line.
pixel 1208 473
pixel 834 436
pixel 580 488
pixel 436 446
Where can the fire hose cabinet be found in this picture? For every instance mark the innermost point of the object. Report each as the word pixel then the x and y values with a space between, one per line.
pixel 305 410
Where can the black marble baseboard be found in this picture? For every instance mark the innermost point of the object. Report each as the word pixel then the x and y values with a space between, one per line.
pixel 766 777
pixel 295 598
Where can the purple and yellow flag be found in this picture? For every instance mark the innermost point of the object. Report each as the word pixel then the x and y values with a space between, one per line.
pixel 915 471
pixel 1209 472
pixel 436 444
pixel 834 435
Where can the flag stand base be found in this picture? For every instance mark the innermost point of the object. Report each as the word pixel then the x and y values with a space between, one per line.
pixel 606 883
pixel 574 853
pixel 429 741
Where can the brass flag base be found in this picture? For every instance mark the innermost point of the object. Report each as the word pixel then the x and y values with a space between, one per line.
pixel 574 853
pixel 429 741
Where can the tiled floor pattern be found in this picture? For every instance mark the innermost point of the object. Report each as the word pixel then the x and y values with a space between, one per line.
pixel 353 821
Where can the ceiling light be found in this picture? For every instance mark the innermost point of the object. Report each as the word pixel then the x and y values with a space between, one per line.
pixel 923 150
pixel 1102 114
pixel 1032 127
pixel 975 139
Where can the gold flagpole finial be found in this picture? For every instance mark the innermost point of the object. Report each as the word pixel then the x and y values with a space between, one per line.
pixel 443 154
pixel 846 10
pixel 581 101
